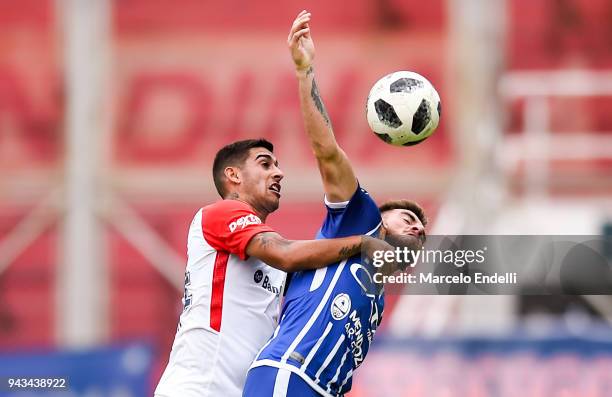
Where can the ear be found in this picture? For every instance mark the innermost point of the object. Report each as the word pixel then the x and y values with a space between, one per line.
pixel 384 221
pixel 233 175
pixel 383 232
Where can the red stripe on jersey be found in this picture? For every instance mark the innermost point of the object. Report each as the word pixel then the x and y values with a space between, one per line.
pixel 218 283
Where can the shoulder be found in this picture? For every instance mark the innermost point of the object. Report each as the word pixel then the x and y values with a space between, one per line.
pixel 359 197
pixel 362 195
pixel 359 215
pixel 228 214
pixel 229 225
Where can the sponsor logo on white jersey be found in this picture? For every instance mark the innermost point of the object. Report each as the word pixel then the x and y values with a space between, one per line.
pixel 267 284
pixel 243 222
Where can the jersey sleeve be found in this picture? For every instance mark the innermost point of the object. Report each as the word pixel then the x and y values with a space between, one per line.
pixel 229 225
pixel 359 215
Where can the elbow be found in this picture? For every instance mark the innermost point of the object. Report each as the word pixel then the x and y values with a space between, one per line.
pixel 296 263
pixel 294 257
pixel 288 259
pixel 326 153
pixel 289 265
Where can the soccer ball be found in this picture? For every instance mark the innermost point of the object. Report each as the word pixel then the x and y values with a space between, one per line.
pixel 403 108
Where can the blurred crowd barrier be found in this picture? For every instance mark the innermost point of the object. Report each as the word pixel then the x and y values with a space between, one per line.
pixel 480 367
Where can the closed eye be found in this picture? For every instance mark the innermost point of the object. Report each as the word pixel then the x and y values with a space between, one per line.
pixel 409 219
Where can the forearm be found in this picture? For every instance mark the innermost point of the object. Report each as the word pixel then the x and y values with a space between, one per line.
pixel 296 255
pixel 316 119
pixel 336 171
pixel 314 254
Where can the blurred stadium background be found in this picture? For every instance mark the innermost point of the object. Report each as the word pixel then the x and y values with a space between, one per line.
pixel 111 112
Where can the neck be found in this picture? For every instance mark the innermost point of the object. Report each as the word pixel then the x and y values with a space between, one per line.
pixel 261 213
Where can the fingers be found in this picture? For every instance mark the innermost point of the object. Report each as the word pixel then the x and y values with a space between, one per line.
pixel 296 36
pixel 300 22
pixel 303 31
pixel 301 15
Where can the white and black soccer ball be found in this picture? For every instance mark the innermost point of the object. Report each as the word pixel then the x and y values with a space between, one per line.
pixel 403 108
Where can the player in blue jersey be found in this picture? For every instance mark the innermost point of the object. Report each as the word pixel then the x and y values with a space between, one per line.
pixel 330 315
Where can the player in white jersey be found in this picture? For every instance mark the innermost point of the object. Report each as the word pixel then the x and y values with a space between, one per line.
pixel 235 273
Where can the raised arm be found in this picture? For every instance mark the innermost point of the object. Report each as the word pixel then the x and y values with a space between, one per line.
pixel 296 255
pixel 338 177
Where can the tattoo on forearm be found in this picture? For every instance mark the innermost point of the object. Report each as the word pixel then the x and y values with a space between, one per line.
pixel 266 240
pixel 349 250
pixel 263 240
pixel 309 71
pixel 314 93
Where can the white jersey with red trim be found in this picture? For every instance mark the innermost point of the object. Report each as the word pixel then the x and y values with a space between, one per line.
pixel 231 305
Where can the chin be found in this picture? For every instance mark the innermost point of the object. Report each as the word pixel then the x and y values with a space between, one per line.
pixel 273 206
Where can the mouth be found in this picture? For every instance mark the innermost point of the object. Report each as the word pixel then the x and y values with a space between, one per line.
pixel 275 188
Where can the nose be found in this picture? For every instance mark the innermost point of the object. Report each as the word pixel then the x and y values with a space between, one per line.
pixel 418 228
pixel 278 174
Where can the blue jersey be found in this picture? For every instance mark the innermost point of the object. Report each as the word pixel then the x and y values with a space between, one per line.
pixel 330 315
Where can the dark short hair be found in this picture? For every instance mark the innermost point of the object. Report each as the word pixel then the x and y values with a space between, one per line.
pixel 234 155
pixel 404 205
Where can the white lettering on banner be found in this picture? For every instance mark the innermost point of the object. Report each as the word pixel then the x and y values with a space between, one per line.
pixel 243 222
